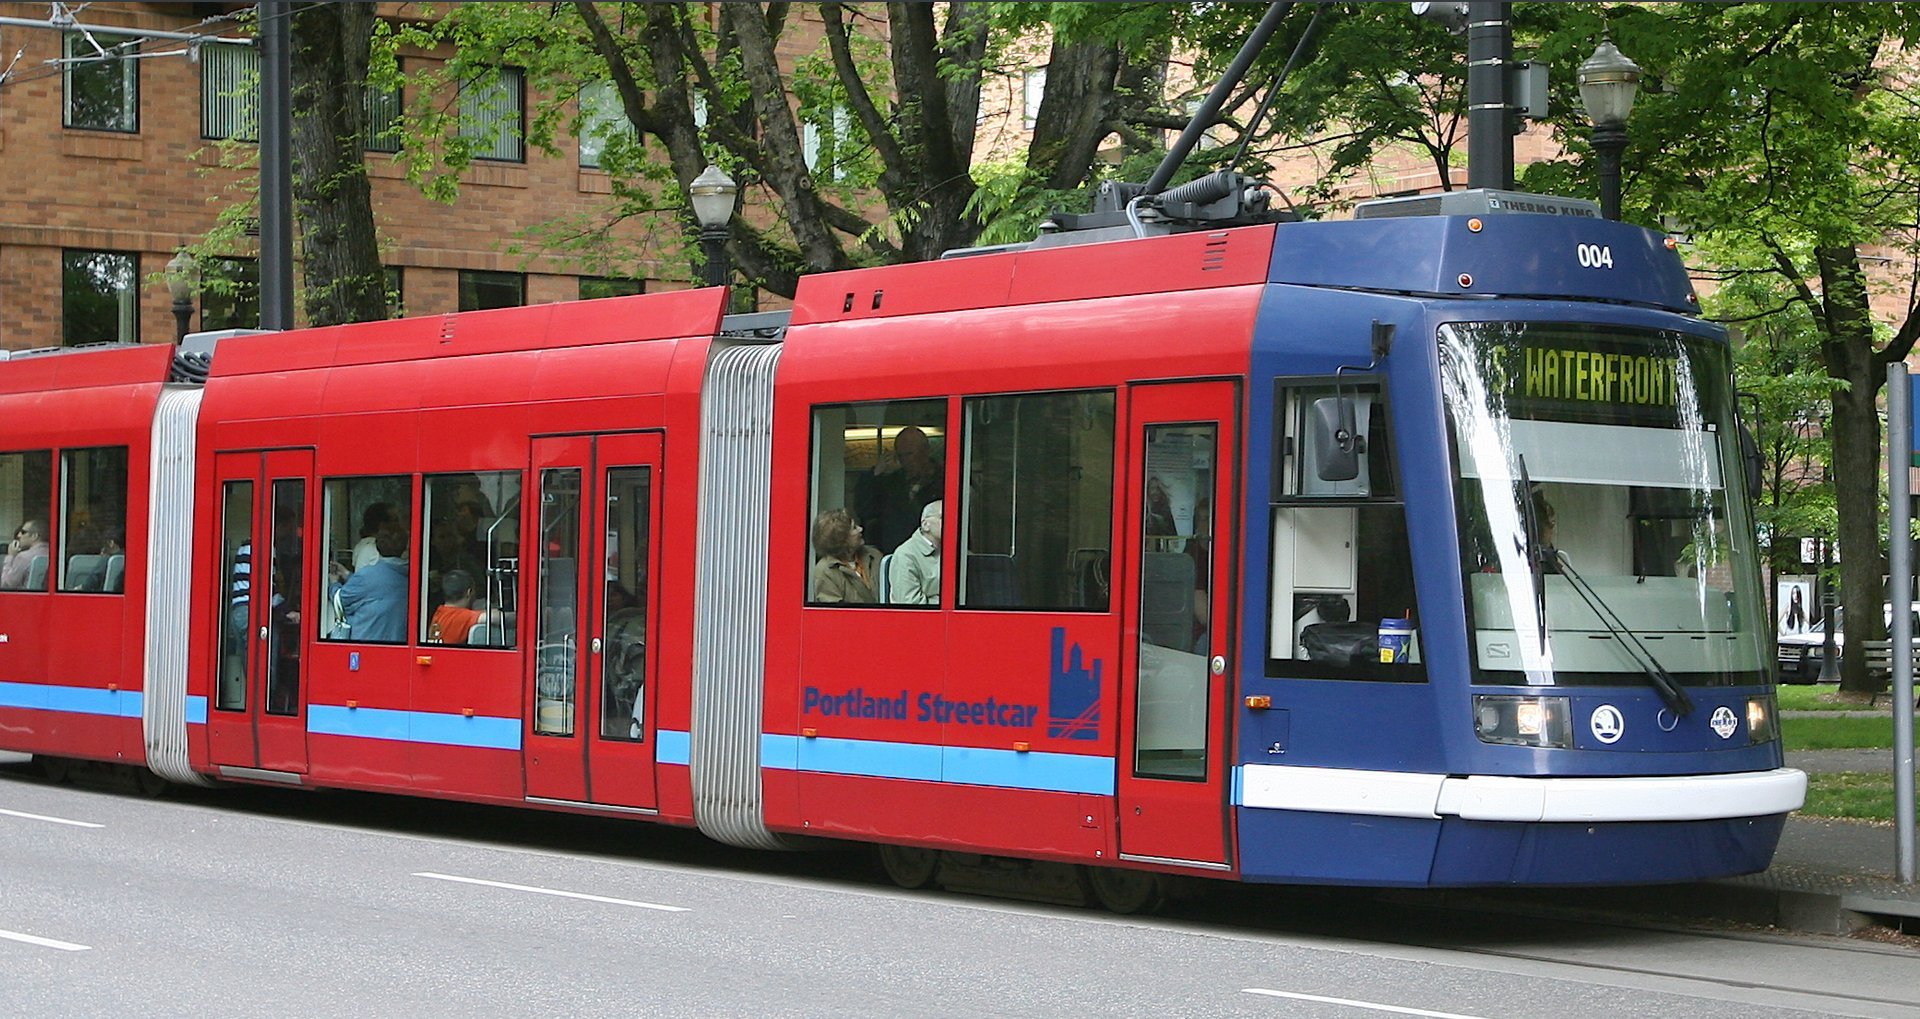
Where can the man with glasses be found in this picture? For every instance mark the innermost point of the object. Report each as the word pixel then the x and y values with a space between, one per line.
pixel 29 544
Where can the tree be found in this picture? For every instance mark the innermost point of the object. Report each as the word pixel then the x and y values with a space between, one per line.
pixel 892 94
pixel 1788 130
pixel 333 202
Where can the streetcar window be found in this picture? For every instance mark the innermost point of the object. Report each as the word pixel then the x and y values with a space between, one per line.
pixel 236 594
pixel 93 504
pixel 1342 567
pixel 364 543
pixel 876 467
pixel 1036 511
pixel 627 495
pixel 26 499
pixel 472 554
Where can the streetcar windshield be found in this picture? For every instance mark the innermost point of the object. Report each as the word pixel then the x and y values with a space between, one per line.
pixel 1605 536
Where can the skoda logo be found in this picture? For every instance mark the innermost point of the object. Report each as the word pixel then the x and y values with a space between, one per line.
pixel 1723 722
pixel 1606 723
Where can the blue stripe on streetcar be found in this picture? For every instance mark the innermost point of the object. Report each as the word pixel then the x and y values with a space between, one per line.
pixel 78 700
pixel 483 731
pixel 1010 769
pixel 672 746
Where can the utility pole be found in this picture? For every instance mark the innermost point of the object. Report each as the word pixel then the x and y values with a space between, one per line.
pixel 1489 109
pixel 276 167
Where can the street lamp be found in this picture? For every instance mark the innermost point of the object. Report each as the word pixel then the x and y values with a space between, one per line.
pixel 712 196
pixel 183 278
pixel 1608 81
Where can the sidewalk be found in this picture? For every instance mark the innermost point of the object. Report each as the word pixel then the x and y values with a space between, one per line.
pixel 1828 875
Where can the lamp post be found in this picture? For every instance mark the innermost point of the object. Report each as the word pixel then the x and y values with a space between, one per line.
pixel 1608 81
pixel 183 278
pixel 712 196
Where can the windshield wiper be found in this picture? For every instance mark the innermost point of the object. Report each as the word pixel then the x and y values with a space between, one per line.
pixel 1657 675
pixel 1536 564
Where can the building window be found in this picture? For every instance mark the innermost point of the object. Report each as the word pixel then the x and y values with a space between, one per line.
pixel 480 290
pixel 491 108
pixel 366 543
pixel 473 558
pixel 230 294
pixel 98 299
pixel 824 143
pixel 229 89
pixel 383 119
pixel 26 494
pixel 1033 90
pixel 103 83
pixel 876 468
pixel 1036 510
pixel 396 292
pixel 593 287
pixel 603 122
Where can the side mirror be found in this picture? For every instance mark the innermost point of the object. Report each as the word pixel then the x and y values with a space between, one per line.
pixel 1749 449
pixel 1750 459
pixel 1337 444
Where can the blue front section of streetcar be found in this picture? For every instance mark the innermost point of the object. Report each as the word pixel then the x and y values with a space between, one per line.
pixel 1365 780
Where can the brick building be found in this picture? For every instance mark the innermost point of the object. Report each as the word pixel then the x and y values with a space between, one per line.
pixel 113 165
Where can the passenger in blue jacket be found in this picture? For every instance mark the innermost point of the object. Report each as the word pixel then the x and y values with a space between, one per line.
pixel 373 601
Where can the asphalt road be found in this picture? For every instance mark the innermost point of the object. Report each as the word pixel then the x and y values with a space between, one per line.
pixel 249 902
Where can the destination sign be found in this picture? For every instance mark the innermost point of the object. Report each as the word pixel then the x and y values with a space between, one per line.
pixel 1598 376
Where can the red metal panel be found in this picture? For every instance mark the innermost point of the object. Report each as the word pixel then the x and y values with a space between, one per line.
pixel 1095 342
pixel 1042 825
pixel 81 369
pixel 57 402
pixel 575 324
pixel 1178 264
pixel 915 288
pixel 352 762
pixel 468 772
pixel 1161 265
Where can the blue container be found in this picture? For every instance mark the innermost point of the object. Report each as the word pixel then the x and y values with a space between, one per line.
pixel 1396 640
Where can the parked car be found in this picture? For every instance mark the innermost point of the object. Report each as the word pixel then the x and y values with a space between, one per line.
pixel 1802 655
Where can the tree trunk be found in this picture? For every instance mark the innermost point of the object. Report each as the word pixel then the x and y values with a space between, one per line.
pixel 344 279
pixel 1849 355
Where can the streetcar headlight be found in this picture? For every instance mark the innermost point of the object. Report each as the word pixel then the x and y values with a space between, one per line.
pixel 1523 721
pixel 1760 724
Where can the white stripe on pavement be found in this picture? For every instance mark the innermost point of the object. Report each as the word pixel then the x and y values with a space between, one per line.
pixel 552 891
pixel 52 820
pixel 64 946
pixel 1376 1006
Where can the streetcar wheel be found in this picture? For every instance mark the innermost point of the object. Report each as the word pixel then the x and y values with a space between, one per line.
pixel 55 768
pixel 1127 891
pixel 910 866
pixel 150 784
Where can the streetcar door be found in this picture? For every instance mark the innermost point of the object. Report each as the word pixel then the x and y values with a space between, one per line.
pixel 1173 780
pixel 257 717
pixel 591 688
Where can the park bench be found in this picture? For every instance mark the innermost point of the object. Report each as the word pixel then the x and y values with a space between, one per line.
pixel 1880 664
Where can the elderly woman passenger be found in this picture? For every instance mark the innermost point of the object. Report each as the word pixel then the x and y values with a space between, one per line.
pixel 848 570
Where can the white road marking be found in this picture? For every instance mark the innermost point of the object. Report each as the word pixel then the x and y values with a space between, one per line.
pixel 1376 1006
pixel 64 946
pixel 552 891
pixel 51 820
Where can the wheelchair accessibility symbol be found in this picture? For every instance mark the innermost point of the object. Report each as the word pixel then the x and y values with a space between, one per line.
pixel 1607 724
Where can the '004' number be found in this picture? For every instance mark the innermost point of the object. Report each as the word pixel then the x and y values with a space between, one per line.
pixel 1594 256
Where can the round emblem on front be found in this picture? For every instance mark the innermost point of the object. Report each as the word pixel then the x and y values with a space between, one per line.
pixel 1607 724
pixel 1723 722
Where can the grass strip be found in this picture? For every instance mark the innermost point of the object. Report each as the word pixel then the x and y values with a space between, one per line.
pixel 1837 733
pixel 1853 795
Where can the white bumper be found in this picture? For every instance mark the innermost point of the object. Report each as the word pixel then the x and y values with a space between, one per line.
pixel 1501 798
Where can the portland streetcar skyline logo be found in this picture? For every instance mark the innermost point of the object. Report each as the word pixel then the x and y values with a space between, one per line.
pixel 1073 692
